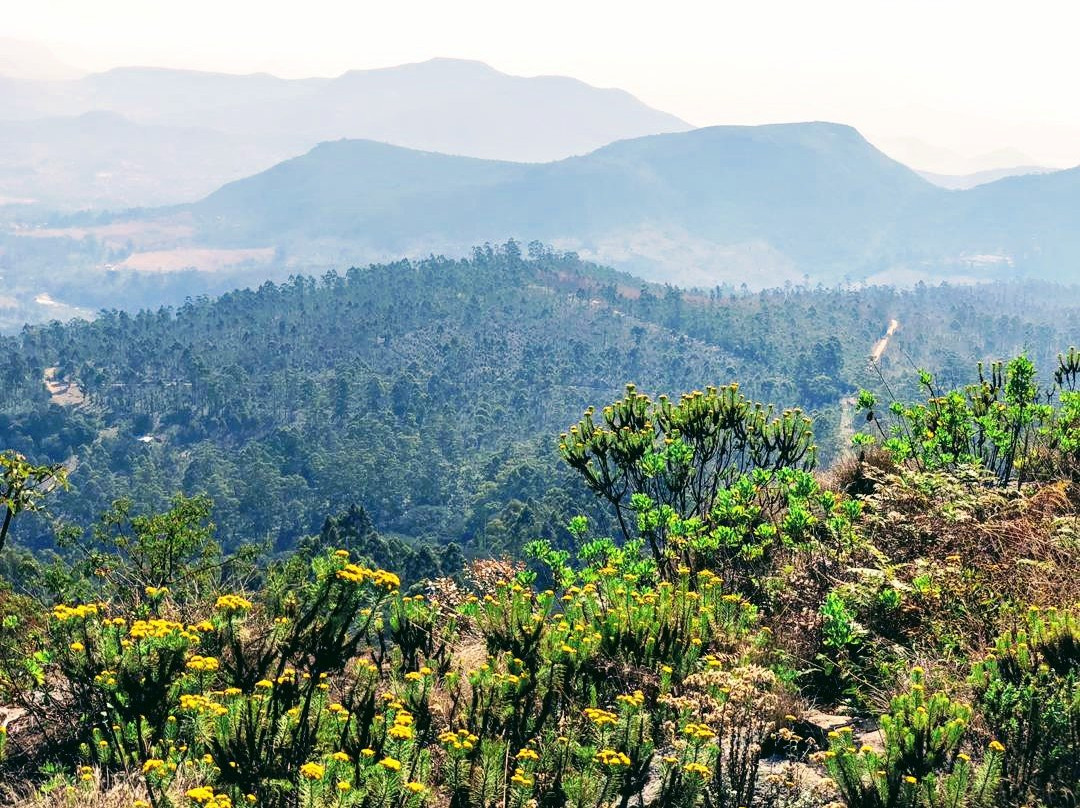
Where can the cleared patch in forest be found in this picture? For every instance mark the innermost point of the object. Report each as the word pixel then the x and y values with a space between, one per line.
pixel 63 392
pixel 202 259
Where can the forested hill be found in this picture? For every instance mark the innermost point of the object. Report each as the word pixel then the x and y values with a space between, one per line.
pixel 763 203
pixel 781 200
pixel 431 392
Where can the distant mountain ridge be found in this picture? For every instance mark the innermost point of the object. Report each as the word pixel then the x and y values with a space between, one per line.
pixel 766 197
pixel 719 204
pixel 447 105
pixel 962 182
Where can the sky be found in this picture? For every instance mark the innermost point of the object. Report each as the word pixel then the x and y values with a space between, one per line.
pixel 917 77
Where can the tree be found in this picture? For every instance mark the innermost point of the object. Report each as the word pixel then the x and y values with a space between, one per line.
pixel 23 486
pixel 669 459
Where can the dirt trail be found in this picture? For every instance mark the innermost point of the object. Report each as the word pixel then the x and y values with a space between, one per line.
pixel 847 404
pixel 62 391
pixel 883 343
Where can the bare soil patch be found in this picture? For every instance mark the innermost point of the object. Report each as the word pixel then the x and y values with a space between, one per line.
pixel 202 259
pixel 64 392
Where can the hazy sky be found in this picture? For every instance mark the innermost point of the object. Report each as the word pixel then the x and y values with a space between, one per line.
pixel 967 75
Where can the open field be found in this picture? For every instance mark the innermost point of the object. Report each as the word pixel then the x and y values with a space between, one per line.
pixel 205 260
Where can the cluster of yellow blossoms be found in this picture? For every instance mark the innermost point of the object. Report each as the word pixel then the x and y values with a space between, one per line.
pixel 613 758
pixel 158 767
pixel 699 732
pixel 458 741
pixel 205 797
pixel 201 704
pixel 203 664
pixel 64 613
pixel 521 779
pixel 159 629
pixel 402 729
pixel 391 764
pixel 635 699
pixel 358 575
pixel 231 604
pixel 600 717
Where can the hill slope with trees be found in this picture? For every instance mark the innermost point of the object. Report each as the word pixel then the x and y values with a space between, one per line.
pixel 427 392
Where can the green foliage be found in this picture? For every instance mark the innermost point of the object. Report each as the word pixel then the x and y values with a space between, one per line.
pixel 922 763
pixel 998 423
pixel 327 695
pixel 1028 690
pixel 23 487
pixel 668 463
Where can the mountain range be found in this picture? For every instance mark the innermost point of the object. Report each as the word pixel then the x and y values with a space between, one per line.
pixel 762 205
pixel 176 135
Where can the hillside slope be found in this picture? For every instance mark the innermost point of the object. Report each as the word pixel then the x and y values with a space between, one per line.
pixel 430 392
pixel 762 205
pixel 795 198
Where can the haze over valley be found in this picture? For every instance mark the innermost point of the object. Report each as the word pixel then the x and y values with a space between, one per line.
pixel 139 186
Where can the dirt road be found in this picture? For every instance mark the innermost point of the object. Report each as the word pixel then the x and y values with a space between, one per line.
pixel 883 343
pixel 847 404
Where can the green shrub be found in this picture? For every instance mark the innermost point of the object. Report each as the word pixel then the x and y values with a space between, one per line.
pixel 922 764
pixel 1028 690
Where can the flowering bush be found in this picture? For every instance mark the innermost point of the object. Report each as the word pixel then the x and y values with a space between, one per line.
pixel 1028 690
pixel 922 764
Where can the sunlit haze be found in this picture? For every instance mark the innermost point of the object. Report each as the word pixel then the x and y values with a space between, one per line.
pixel 919 79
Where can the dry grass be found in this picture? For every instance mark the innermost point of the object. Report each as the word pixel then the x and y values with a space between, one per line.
pixel 202 259
pixel 1011 539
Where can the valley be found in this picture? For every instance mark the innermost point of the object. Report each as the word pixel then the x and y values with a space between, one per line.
pixel 439 435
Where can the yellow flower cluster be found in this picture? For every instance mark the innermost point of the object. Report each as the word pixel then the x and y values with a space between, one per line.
pixel 358 575
pixel 64 613
pixel 414 787
pixel 528 754
pixel 201 704
pixel 521 779
pixel 205 796
pixel 699 732
pixel 158 629
pixel 696 768
pixel 635 699
pixel 312 771
pixel 231 604
pixel 457 741
pixel 393 764
pixel 203 664
pixel 612 758
pixel 600 717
